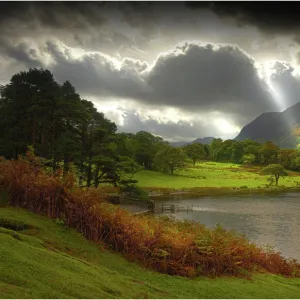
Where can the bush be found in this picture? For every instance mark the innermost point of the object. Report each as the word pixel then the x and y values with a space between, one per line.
pixel 13 224
pixel 134 194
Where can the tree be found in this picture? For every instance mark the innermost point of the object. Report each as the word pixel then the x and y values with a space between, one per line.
pixel 169 159
pixel 275 170
pixel 296 163
pixel 27 106
pixel 248 159
pixel 62 128
pixel 252 147
pixel 70 111
pixel 206 150
pixel 269 153
pixel 195 152
pixel 214 146
pixel 126 144
pixel 229 150
pixel 286 157
pixel 237 152
pixel 147 145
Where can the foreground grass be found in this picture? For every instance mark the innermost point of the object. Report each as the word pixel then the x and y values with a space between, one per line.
pixel 211 174
pixel 51 261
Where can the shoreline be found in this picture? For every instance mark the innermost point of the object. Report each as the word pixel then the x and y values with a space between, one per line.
pixel 201 192
pixel 219 192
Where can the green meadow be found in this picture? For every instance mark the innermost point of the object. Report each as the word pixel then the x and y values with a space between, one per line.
pixel 48 260
pixel 211 174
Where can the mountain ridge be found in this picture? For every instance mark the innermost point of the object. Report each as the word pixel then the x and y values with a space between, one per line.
pixel 278 127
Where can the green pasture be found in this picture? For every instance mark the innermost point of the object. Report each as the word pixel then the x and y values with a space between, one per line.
pixel 211 174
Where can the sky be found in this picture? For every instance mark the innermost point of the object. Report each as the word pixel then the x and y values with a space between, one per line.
pixel 178 70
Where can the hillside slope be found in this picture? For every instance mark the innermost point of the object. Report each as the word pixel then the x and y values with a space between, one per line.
pixel 50 261
pixel 278 127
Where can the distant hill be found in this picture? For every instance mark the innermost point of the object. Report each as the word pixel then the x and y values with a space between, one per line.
pixel 279 127
pixel 178 144
pixel 205 140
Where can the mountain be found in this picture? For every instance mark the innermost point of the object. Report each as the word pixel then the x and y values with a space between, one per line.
pixel 178 144
pixel 205 140
pixel 279 127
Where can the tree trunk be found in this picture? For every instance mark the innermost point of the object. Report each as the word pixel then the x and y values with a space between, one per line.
pixel 66 153
pixel 89 174
pixel 276 179
pixel 81 164
pixel 172 170
pixel 96 176
pixel 66 163
pixel 55 162
pixel 34 132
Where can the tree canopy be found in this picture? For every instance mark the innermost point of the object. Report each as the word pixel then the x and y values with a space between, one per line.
pixel 169 159
pixel 195 152
pixel 275 170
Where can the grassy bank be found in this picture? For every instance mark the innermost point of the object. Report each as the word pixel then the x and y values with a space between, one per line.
pixel 52 261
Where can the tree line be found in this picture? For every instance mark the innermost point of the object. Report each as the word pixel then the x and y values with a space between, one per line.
pixel 70 134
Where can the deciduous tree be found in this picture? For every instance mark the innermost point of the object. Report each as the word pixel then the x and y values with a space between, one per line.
pixel 275 170
pixel 170 159
pixel 195 152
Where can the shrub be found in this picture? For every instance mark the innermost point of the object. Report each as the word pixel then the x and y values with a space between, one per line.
pixel 13 224
pixel 135 194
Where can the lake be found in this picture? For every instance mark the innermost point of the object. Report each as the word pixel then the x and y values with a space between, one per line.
pixel 273 219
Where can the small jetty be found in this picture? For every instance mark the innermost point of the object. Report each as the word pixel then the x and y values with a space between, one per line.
pixel 173 208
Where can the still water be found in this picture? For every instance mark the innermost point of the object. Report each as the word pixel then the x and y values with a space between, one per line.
pixel 273 220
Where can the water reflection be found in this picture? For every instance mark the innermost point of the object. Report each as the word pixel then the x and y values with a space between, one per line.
pixel 263 219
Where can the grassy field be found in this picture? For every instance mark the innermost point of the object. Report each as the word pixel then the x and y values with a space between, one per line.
pixel 211 174
pixel 51 261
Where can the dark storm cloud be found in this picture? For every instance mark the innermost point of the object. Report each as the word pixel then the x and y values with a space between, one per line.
pixel 212 77
pixel 57 15
pixel 96 74
pixel 271 17
pixel 75 23
pixel 125 28
pixel 20 52
pixel 191 77
pixel 88 24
